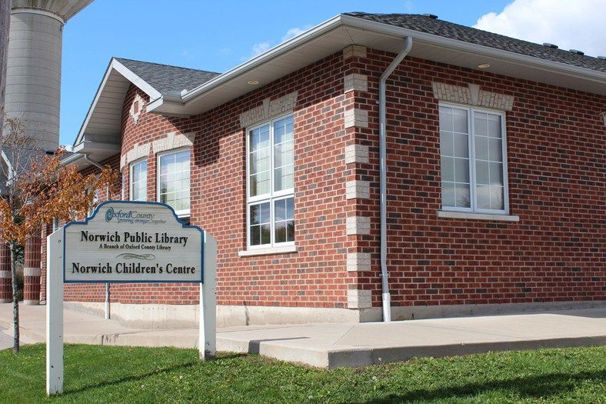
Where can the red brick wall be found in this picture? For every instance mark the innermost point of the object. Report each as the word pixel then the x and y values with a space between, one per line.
pixel 556 143
pixel 315 275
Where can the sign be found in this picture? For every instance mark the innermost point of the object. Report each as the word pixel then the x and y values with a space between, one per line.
pixel 132 242
pixel 128 242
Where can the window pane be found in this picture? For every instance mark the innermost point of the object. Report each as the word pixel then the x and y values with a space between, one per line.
pixel 496 174
pixel 284 154
pixel 454 140
pixel 446 144
pixel 259 161
pixel 280 210
pixel 290 208
pixel 280 232
pixel 284 223
pixel 459 120
pixel 284 178
pixel 446 119
pixel 495 152
pixel 139 181
pixel 462 198
pixel 174 181
pixel 290 231
pixel 259 138
pixel 480 125
pixel 255 235
pixel 482 174
pixel 448 194
pixel 283 130
pixel 447 169
pixel 259 214
pixel 260 224
pixel 483 195
pixel 259 184
pixel 461 145
pixel 461 170
pixel 265 234
pixel 493 125
pixel 496 197
pixel 481 147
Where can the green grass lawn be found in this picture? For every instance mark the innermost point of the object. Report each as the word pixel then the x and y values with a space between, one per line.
pixel 128 375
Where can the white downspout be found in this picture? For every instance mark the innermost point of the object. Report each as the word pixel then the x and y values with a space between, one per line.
pixel 383 174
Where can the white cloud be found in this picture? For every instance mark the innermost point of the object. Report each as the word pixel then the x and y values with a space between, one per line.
pixel 293 32
pixel 262 47
pixel 577 24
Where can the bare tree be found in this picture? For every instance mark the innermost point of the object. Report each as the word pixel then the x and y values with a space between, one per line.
pixel 5 18
pixel 38 190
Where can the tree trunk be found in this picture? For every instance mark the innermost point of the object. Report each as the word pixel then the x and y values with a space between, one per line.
pixel 5 18
pixel 15 299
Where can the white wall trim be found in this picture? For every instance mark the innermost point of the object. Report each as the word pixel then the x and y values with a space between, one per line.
pixel 477 216
pixel 268 251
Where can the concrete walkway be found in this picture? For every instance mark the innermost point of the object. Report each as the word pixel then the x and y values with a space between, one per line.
pixel 335 345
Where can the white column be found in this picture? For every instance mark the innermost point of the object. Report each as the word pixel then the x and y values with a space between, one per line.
pixel 54 314
pixel 207 344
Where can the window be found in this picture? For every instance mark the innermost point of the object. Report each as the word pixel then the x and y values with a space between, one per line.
pixel 271 202
pixel 138 181
pixel 473 160
pixel 173 180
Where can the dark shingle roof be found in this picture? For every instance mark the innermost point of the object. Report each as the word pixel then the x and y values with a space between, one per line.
pixel 429 25
pixel 165 78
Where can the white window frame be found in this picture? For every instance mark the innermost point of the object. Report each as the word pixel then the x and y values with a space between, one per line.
pixel 272 196
pixel 184 212
pixel 130 177
pixel 472 161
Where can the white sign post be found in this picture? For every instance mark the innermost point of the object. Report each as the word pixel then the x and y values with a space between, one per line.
pixel 127 242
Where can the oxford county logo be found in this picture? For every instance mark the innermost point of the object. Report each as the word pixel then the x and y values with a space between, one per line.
pixel 129 216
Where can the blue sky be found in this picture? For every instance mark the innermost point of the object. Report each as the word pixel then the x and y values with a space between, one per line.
pixel 209 35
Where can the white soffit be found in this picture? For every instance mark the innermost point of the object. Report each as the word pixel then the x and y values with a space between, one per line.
pixel 104 118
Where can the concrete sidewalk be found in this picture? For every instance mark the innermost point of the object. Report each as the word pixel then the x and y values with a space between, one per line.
pixel 335 345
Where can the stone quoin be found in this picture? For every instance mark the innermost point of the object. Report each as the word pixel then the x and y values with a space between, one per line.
pixel 494 176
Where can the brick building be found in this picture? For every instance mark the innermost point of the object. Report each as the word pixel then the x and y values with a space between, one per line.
pixel 493 181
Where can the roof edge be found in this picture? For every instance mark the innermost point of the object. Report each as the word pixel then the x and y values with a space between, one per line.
pixel 114 64
pixel 456 44
pixel 390 30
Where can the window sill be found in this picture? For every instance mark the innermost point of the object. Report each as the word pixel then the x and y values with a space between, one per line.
pixel 268 251
pixel 477 216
